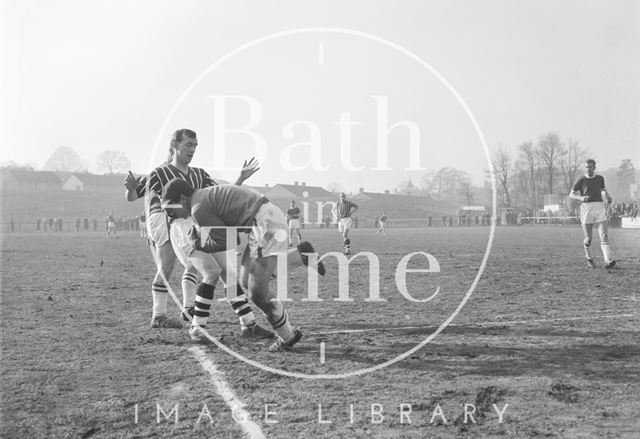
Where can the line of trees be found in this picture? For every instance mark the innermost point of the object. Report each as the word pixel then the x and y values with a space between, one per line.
pixel 66 159
pixel 550 166
pixel 523 175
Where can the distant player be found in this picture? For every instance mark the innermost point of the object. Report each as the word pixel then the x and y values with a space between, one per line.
pixel 590 190
pixel 343 210
pixel 382 224
pixel 237 206
pixel 293 219
pixel 111 225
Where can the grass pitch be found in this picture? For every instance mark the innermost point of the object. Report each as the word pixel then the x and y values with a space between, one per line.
pixel 551 344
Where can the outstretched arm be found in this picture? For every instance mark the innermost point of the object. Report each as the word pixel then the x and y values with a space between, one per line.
pixel 131 182
pixel 248 169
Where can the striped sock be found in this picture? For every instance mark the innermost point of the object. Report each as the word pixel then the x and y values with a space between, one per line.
pixel 204 299
pixel 243 310
pixel 160 294
pixel 189 283
pixel 281 324
pixel 587 248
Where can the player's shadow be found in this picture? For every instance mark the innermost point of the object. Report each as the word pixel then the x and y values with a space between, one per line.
pixel 517 352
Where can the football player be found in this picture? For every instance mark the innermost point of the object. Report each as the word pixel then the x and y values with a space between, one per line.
pixel 293 219
pixel 236 206
pixel 590 190
pixel 343 210
pixel 181 151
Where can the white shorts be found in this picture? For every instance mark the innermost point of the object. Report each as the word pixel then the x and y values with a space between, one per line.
pixel 344 225
pixel 111 225
pixel 294 224
pixel 158 228
pixel 269 236
pixel 205 263
pixel 592 213
pixel 182 245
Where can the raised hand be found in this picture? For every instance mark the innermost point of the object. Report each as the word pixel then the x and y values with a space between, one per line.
pixel 131 182
pixel 248 169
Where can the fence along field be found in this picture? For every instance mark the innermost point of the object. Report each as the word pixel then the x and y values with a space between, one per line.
pixel 553 342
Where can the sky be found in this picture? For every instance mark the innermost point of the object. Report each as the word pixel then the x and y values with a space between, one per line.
pixel 362 93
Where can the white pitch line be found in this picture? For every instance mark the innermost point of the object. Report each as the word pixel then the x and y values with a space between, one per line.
pixel 506 322
pixel 239 414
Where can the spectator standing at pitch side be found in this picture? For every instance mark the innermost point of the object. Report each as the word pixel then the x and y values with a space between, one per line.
pixel 343 210
pixel 590 190
pixel 38 222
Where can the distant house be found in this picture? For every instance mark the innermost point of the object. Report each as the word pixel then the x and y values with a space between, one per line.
pixel 70 182
pixel 315 202
pixel 99 183
pixel 299 192
pixel 400 205
pixel 27 180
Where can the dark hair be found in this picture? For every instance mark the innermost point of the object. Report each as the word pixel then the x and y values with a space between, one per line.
pixel 591 161
pixel 181 133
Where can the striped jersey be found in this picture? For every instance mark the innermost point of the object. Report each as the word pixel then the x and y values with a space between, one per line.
pixel 160 176
pixel 343 209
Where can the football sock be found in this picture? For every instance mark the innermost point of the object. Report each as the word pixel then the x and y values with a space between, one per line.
pixel 204 299
pixel 606 251
pixel 281 323
pixel 347 244
pixel 160 295
pixel 243 310
pixel 587 249
pixel 189 283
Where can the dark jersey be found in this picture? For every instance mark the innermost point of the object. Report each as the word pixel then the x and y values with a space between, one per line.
pixel 344 208
pixel 590 187
pixel 225 206
pixel 159 177
pixel 293 213
pixel 383 218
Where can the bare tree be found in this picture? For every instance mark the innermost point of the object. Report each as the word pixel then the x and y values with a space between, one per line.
pixel 626 177
pixel 502 167
pixel 65 159
pixel 549 148
pixel 572 157
pixel 443 184
pixel 466 188
pixel 530 174
pixel 112 161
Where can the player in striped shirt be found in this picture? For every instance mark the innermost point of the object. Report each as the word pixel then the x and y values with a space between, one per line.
pixel 183 146
pixel 343 210
pixel 589 189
